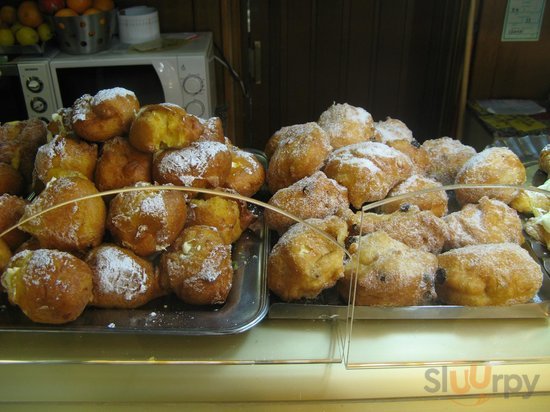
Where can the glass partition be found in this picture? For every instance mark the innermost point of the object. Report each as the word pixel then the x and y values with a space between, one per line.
pixel 171 328
pixel 469 286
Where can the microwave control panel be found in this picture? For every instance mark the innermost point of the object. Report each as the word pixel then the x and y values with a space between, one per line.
pixel 196 75
pixel 36 85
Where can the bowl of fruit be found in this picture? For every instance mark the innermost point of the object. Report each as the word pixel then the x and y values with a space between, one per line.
pixel 24 28
pixel 82 26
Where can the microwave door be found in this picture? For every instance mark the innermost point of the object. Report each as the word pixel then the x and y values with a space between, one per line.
pixel 146 80
pixel 12 107
pixel 167 71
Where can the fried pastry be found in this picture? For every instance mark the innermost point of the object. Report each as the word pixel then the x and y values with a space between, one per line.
pixel 146 221
pixel 49 286
pixel 447 156
pixel 436 202
pixel 391 130
pixel 247 174
pixel 73 227
pixel 315 196
pixel 218 212
pixel 164 126
pixel 120 165
pixel 197 266
pixel 544 159
pixel 212 130
pixel 346 124
pixel 11 210
pixel 19 142
pixel 489 221
pixel 494 165
pixel 202 164
pixel 487 275
pixel 109 113
pixel 389 273
pixel 11 181
pixel 303 262
pixel 121 279
pixel 419 229
pixel 64 156
pixel 301 153
pixel 418 155
pixel 368 170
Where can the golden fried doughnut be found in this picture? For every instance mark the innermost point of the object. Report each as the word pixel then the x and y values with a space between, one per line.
pixel 531 202
pixel 346 124
pixel 164 126
pixel 489 221
pixel 11 181
pixel 487 275
pixel 73 227
pixel 11 210
pixel 544 159
pixel 248 212
pixel 419 229
pixel 300 153
pixel 121 279
pixel 303 262
pixel 276 138
pixel 19 142
pixel 368 170
pixel 203 164
pixel 389 273
pixel 390 130
pixel 198 266
pixel 315 196
pixel 61 122
pixel 146 221
pixel 218 212
pixel 5 256
pixel 418 155
pixel 447 156
pixel 120 165
pixel 107 114
pixel 247 174
pixel 65 156
pixel 497 165
pixel 212 130
pixel 437 202
pixel 539 228
pixel 49 286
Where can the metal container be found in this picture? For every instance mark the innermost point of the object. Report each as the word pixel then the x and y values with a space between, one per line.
pixel 85 34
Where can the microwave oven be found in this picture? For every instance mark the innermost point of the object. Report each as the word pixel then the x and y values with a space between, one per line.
pixel 181 72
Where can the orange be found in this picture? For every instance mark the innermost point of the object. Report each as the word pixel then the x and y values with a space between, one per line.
pixel 66 13
pixel 8 14
pixel 80 6
pixel 91 10
pixel 104 5
pixel 29 14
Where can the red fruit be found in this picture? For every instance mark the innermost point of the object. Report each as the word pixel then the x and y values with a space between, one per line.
pixel 51 6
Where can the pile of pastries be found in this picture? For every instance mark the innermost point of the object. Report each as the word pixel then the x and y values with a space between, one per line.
pixel 457 247
pixel 123 249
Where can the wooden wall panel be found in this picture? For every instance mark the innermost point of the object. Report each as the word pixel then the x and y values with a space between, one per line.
pixel 398 58
pixel 509 69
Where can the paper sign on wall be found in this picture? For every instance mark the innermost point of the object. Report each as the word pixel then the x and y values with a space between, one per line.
pixel 523 20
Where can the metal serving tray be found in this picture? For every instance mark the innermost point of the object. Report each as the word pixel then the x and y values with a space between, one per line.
pixel 246 305
pixel 329 305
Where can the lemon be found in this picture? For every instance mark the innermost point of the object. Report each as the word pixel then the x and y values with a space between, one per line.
pixel 26 36
pixel 44 32
pixel 6 37
pixel 15 26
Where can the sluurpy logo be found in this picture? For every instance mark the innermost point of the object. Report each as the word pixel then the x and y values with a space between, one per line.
pixel 447 380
